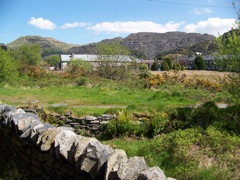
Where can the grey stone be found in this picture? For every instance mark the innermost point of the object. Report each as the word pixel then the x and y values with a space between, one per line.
pixel 90 118
pixel 113 164
pixel 68 113
pixel 104 122
pixel 154 173
pixel 46 139
pixel 132 168
pixel 69 121
pixel 95 155
pixel 8 113
pixel 25 123
pixel 42 129
pixel 2 107
pixel 63 142
pixel 29 130
pixel 77 150
pixel 34 132
pixel 9 108
pixel 106 117
pixel 14 119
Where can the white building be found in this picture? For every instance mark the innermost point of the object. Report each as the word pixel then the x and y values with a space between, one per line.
pixel 94 59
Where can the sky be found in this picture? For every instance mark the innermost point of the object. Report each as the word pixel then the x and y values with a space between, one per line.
pixel 87 21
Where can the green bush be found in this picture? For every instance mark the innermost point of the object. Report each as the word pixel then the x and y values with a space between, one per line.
pixel 200 63
pixel 8 68
pixel 165 66
pixel 154 66
pixel 176 66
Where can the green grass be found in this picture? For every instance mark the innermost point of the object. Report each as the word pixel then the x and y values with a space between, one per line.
pixel 141 100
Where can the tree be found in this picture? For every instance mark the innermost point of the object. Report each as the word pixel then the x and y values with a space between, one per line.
pixel 154 66
pixel 169 62
pixel 194 67
pixel 28 55
pixel 165 66
pixel 176 66
pixel 228 56
pixel 200 63
pixel 79 67
pixel 113 60
pixel 8 68
pixel 53 60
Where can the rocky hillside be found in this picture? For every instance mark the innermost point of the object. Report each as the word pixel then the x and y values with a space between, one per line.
pixel 48 45
pixel 151 45
pixel 143 45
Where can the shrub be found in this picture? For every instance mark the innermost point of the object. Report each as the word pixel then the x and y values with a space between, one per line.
pixel 176 66
pixel 154 66
pixel 165 66
pixel 200 63
pixel 8 68
pixel 154 81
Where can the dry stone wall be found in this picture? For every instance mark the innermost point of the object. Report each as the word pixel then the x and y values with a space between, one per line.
pixel 47 152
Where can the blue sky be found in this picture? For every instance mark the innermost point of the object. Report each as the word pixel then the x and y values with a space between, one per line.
pixel 87 21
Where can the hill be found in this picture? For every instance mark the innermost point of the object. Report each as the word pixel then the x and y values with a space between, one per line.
pixel 151 45
pixel 143 45
pixel 48 45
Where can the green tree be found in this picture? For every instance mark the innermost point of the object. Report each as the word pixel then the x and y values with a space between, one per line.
pixel 53 60
pixel 154 66
pixel 169 62
pixel 3 46
pixel 8 68
pixel 200 63
pixel 28 55
pixel 176 66
pixel 79 66
pixel 165 66
pixel 228 56
pixel 113 60
pixel 194 67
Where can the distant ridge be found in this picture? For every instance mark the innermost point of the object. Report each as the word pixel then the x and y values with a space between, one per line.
pixel 151 45
pixel 49 45
pixel 144 44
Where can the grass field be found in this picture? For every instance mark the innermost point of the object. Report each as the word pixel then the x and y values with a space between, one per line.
pixel 98 98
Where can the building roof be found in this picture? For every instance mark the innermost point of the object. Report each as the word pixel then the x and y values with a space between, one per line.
pixel 92 58
pixel 209 57
pixel 85 57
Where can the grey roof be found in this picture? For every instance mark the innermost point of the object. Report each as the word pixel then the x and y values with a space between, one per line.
pixel 209 57
pixel 85 57
pixel 92 58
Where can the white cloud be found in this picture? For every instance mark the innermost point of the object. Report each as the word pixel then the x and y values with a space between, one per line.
pixel 42 23
pixel 201 11
pixel 74 25
pixel 134 27
pixel 214 26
